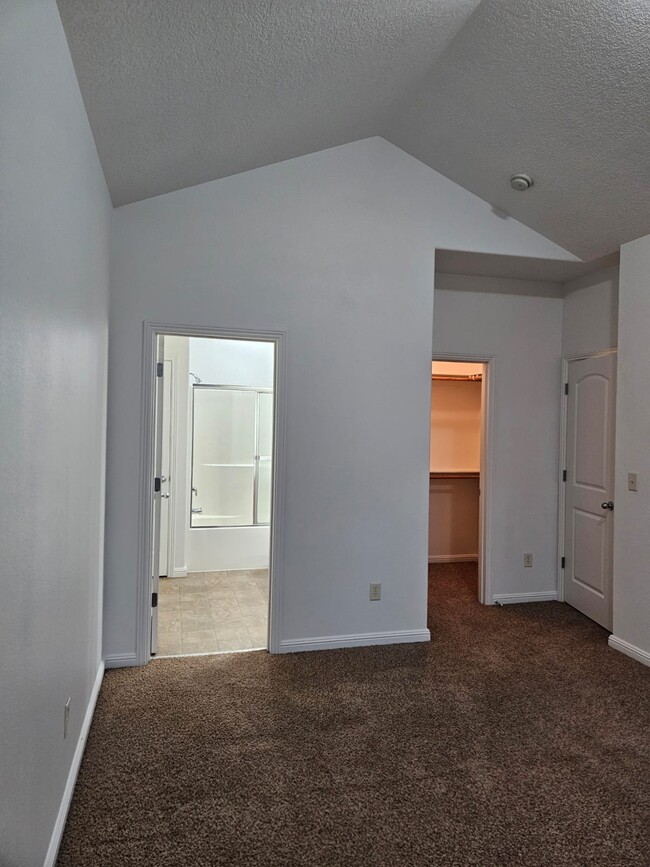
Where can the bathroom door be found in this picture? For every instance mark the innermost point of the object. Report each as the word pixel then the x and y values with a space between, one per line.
pixel 157 492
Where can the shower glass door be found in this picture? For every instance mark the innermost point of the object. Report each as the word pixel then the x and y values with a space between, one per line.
pixel 264 451
pixel 232 434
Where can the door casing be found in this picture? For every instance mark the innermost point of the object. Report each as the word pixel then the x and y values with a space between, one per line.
pixel 150 333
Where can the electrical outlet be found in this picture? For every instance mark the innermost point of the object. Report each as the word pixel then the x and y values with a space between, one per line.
pixel 631 482
pixel 375 592
pixel 528 560
pixel 66 718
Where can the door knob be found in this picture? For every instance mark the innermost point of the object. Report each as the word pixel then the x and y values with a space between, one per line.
pixel 609 505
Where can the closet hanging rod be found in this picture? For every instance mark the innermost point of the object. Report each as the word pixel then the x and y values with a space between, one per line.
pixel 445 377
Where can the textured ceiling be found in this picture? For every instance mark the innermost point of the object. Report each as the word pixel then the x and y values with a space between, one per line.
pixel 179 93
pixel 556 88
pixel 183 91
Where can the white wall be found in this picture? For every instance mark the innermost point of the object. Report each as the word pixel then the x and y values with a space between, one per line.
pixel 232 362
pixel 590 316
pixel 229 362
pixel 54 248
pixel 523 333
pixel 337 250
pixel 632 514
pixel 455 426
pixel 455 446
pixel 453 519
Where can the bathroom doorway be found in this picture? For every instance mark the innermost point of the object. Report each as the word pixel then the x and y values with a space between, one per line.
pixel 214 442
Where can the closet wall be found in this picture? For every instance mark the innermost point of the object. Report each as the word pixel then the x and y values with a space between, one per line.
pixel 454 465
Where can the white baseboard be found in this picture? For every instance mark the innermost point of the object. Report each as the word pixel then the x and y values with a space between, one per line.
pixel 59 825
pixel 331 642
pixel 453 558
pixel 630 650
pixel 181 572
pixel 121 660
pixel 511 598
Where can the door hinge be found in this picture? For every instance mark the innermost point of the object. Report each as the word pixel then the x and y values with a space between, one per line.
pixel 563 562
pixel 159 368
pixel 154 600
pixel 564 475
pixel 156 485
pixel 566 387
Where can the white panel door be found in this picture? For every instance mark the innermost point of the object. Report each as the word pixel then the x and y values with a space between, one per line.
pixel 157 500
pixel 590 487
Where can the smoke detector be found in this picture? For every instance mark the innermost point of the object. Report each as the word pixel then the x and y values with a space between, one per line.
pixel 521 182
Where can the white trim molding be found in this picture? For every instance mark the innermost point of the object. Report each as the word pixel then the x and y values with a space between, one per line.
pixel 630 650
pixel 181 572
pixel 453 558
pixel 121 660
pixel 59 825
pixel 364 639
pixel 512 598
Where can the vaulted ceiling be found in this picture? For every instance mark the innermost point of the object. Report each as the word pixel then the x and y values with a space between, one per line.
pixel 178 93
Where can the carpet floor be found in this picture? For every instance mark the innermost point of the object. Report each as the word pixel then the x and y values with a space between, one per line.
pixel 516 737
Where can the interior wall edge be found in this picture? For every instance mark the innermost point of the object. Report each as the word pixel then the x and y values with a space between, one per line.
pixel 631 650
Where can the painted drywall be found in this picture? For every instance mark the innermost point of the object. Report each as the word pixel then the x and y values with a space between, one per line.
pixel 456 368
pixel 455 426
pixel 523 335
pixel 229 362
pixel 632 514
pixel 232 362
pixel 590 313
pixel 54 249
pixel 453 519
pixel 337 250
pixel 455 446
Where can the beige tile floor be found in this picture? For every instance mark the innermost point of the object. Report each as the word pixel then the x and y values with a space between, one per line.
pixel 212 612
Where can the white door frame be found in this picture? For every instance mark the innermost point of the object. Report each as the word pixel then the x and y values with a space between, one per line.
pixel 486 476
pixel 564 409
pixel 151 330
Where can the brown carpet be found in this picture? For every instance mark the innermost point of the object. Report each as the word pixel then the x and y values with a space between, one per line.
pixel 516 737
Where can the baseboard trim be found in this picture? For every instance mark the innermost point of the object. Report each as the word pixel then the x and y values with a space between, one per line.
pixel 512 598
pixel 179 573
pixel 364 639
pixel 121 660
pixel 59 825
pixel 630 650
pixel 453 558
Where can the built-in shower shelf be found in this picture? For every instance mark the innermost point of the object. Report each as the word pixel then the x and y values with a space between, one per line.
pixel 228 465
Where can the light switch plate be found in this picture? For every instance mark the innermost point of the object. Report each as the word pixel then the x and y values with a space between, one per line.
pixel 631 482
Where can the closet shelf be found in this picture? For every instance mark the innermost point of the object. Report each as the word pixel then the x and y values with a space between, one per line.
pixel 451 474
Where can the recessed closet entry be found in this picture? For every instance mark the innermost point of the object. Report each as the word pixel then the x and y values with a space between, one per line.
pixel 455 462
